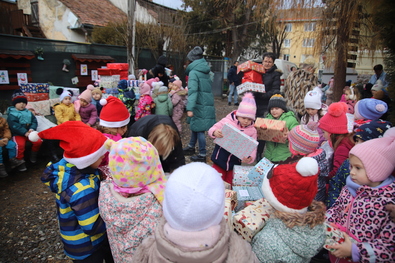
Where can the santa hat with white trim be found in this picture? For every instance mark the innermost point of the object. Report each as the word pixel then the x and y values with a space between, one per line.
pixel 292 187
pixel 71 135
pixel 114 113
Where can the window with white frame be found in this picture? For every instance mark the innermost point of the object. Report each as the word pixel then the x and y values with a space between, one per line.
pixel 286 57
pixel 288 27
pixel 308 27
pixel 308 42
pixel 287 42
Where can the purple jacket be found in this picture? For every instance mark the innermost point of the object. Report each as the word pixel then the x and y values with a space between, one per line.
pixel 360 210
pixel 88 114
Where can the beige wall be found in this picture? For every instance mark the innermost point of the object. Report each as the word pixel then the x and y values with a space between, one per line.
pixel 364 63
pixel 55 20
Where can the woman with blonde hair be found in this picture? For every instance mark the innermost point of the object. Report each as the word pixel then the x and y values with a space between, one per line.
pixel 161 131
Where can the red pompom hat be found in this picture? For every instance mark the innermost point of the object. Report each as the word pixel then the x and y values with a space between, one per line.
pixel 292 187
pixel 114 113
pixel 335 120
pixel 82 145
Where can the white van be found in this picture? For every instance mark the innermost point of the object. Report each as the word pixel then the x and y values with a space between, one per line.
pixel 285 66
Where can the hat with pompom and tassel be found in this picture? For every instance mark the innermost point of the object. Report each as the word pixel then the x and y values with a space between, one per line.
pixel 114 113
pixel 82 145
pixel 370 109
pixel 335 120
pixel 247 107
pixel 292 187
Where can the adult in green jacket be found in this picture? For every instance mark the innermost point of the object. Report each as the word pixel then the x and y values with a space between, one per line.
pixel 200 107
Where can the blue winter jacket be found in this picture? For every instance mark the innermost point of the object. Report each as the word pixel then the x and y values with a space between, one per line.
pixel 20 121
pixel 77 191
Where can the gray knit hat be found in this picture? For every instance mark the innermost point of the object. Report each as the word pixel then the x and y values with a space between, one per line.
pixel 277 101
pixel 195 53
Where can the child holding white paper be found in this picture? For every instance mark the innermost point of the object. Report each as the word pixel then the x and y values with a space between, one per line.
pixel 242 119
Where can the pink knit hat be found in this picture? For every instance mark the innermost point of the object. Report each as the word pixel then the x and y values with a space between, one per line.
pixel 150 81
pixel 145 88
pixel 247 107
pixel 335 120
pixel 303 139
pixel 87 94
pixel 377 156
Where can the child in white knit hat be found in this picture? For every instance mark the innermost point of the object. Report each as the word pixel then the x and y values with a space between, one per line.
pixel 295 232
pixel 193 228
pixel 360 211
pixel 65 110
pixel 315 109
pixel 243 119
pixel 130 201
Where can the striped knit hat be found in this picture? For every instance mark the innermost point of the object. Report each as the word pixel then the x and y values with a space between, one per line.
pixel 247 107
pixel 303 139
pixel 277 100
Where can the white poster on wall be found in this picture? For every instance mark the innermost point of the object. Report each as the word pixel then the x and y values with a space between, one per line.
pixel 4 77
pixel 74 80
pixel 22 78
pixel 94 74
pixel 84 70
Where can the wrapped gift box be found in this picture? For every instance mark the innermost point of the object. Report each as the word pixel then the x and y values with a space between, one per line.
pixel 250 65
pixel 228 214
pixel 36 96
pixel 249 221
pixel 335 236
pixel 249 86
pixel 247 193
pixel 53 95
pixel 271 130
pixel 35 88
pixel 252 76
pixel 236 142
pixel 240 176
pixel 112 91
pixel 232 196
pixel 260 170
pixel 107 71
pixel 119 66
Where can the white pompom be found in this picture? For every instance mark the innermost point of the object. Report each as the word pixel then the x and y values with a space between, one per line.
pixel 307 166
pixel 33 136
pixel 103 102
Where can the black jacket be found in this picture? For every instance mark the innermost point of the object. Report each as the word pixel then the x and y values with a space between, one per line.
pixel 272 82
pixel 233 77
pixel 143 128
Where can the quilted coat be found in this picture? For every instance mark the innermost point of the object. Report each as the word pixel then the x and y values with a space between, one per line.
pixel 65 113
pixel 230 248
pixel 360 210
pixel 200 96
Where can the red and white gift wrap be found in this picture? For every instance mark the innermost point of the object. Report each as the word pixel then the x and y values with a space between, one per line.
pixel 228 213
pixel 236 142
pixel 250 86
pixel 249 221
pixel 271 130
pixel 252 76
pixel 36 96
pixel 250 65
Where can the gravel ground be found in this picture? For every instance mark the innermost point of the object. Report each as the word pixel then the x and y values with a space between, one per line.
pixel 28 225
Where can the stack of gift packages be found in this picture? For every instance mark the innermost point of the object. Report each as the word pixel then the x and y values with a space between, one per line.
pixel 35 91
pixel 252 77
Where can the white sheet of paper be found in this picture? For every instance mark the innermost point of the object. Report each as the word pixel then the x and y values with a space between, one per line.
pixel 243 193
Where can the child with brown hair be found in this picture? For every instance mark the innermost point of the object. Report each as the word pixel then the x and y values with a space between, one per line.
pixel 295 232
pixel 351 96
pixel 340 139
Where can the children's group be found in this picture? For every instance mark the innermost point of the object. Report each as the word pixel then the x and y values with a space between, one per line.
pixel 321 183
